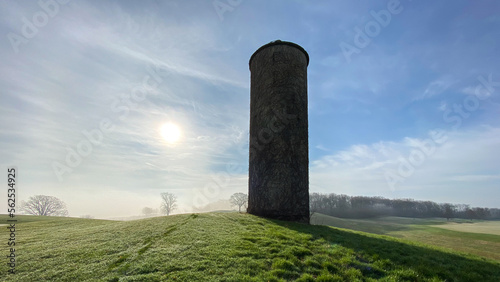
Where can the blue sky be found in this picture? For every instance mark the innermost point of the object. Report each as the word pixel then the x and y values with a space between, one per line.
pixel 404 98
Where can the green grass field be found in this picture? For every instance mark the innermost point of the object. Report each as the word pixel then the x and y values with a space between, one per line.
pixel 226 247
pixel 481 238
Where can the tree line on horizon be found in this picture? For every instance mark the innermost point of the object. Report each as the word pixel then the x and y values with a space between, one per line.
pixel 338 205
pixel 344 206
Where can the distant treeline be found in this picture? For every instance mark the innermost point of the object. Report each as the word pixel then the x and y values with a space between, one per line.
pixel 365 207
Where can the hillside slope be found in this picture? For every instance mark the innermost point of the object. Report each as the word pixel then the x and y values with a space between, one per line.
pixel 225 247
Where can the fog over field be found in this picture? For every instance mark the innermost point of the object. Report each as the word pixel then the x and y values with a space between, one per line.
pixel 107 104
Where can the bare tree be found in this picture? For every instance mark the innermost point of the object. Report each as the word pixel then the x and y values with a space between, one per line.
pixel 239 199
pixel 147 211
pixel 44 205
pixel 169 203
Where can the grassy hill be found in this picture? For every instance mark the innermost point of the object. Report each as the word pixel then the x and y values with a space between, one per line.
pixel 225 247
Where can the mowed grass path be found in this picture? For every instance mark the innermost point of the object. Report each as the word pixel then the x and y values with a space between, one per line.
pixel 479 238
pixel 225 247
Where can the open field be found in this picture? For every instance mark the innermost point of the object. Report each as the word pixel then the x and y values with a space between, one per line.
pixel 226 247
pixel 484 227
pixel 481 238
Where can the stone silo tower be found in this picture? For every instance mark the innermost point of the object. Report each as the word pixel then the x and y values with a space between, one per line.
pixel 279 157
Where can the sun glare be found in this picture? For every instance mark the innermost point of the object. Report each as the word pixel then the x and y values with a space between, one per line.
pixel 170 132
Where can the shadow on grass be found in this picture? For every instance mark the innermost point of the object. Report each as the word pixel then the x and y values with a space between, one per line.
pixel 426 261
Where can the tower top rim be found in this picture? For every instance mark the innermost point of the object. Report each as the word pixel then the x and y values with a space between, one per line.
pixel 279 42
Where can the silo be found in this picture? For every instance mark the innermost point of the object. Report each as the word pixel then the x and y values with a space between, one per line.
pixel 279 158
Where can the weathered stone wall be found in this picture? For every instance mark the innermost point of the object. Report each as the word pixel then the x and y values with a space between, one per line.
pixel 279 159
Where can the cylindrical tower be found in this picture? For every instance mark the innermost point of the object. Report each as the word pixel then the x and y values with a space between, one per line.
pixel 279 160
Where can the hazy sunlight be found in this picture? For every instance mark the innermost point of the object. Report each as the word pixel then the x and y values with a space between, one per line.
pixel 170 132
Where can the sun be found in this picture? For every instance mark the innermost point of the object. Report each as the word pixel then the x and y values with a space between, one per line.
pixel 170 132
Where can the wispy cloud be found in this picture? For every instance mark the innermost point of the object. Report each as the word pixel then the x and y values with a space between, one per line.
pixel 436 87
